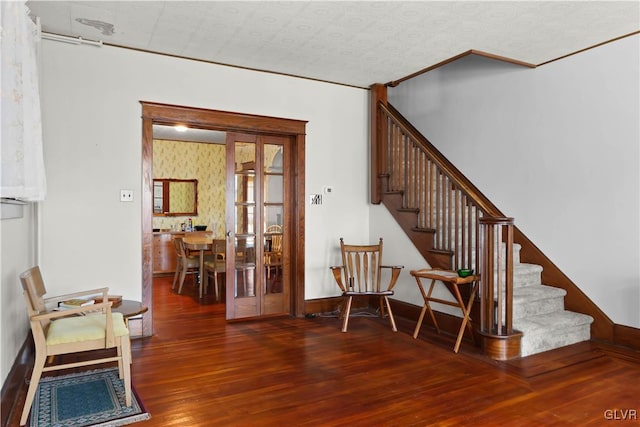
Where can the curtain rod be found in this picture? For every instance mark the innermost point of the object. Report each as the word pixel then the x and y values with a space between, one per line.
pixel 72 40
pixel 64 39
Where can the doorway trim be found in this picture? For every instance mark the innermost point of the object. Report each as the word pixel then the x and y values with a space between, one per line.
pixel 165 114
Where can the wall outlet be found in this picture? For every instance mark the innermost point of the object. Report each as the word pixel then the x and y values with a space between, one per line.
pixel 126 195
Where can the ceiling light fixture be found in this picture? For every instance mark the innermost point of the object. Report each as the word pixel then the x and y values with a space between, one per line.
pixel 180 128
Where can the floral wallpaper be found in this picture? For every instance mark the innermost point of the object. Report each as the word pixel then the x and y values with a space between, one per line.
pixel 192 160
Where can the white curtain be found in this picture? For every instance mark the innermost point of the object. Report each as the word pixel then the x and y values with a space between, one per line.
pixel 21 139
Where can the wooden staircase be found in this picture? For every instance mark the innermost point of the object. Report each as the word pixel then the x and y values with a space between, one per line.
pixel 442 213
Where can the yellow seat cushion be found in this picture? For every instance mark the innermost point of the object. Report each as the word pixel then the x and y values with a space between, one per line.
pixel 84 328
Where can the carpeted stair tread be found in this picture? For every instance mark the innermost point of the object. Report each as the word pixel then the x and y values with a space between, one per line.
pixel 550 321
pixel 534 293
pixel 536 300
pixel 552 330
pixel 526 275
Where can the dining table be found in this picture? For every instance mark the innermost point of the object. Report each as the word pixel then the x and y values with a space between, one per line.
pixel 201 242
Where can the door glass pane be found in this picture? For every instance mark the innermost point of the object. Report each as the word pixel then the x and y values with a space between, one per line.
pixel 273 199
pixel 272 158
pixel 272 277
pixel 245 155
pixel 245 220
pixel 245 267
pixel 273 188
pixel 245 191
pixel 273 218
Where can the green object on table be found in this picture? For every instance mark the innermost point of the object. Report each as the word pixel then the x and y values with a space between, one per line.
pixel 464 272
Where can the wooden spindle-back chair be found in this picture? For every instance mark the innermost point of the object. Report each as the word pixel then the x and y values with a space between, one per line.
pixel 361 275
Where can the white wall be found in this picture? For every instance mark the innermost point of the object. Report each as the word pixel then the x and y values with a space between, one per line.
pixel 92 133
pixel 557 148
pixel 17 255
pixel 397 249
pixel 92 140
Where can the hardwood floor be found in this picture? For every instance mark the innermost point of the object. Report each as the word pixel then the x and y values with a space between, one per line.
pixel 199 370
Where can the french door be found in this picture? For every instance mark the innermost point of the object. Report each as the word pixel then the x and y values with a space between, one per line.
pixel 258 224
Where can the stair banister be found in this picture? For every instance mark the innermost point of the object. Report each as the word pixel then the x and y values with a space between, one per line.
pixel 383 131
pixel 405 162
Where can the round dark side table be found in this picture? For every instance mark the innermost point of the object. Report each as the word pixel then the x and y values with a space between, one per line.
pixel 129 308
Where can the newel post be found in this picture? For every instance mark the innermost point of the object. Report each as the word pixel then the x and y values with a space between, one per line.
pixel 378 140
pixel 495 247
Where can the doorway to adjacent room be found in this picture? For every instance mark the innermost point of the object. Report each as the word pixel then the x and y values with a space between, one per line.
pixel 264 219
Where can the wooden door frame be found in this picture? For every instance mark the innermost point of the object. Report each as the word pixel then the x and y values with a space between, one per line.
pixel 165 114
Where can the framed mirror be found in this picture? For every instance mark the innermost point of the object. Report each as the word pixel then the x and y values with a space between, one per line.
pixel 175 197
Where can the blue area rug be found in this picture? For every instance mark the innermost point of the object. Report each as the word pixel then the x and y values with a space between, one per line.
pixel 90 398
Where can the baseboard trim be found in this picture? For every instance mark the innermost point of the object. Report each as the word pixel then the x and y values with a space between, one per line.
pixel 626 336
pixel 623 336
pixel 448 323
pixel 331 304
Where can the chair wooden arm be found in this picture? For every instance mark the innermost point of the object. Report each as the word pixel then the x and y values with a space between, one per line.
pixel 58 298
pixel 50 315
pixel 395 273
pixel 337 274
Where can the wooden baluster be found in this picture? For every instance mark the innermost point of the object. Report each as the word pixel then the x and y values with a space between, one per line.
pixel 398 155
pixel 437 211
pixel 509 278
pixel 429 194
pixel 405 170
pixel 403 163
pixel 392 163
pixel 471 232
pixel 499 284
pixel 446 213
pixel 389 170
pixel 464 221
pixel 457 233
pixel 413 178
pixel 423 192
pixel 385 148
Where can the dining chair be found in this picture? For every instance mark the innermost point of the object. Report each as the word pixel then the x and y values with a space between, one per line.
pixel 273 262
pixel 215 266
pixel 360 276
pixel 186 264
pixel 273 252
pixel 81 329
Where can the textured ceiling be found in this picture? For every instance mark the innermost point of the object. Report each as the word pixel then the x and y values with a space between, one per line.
pixel 354 43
